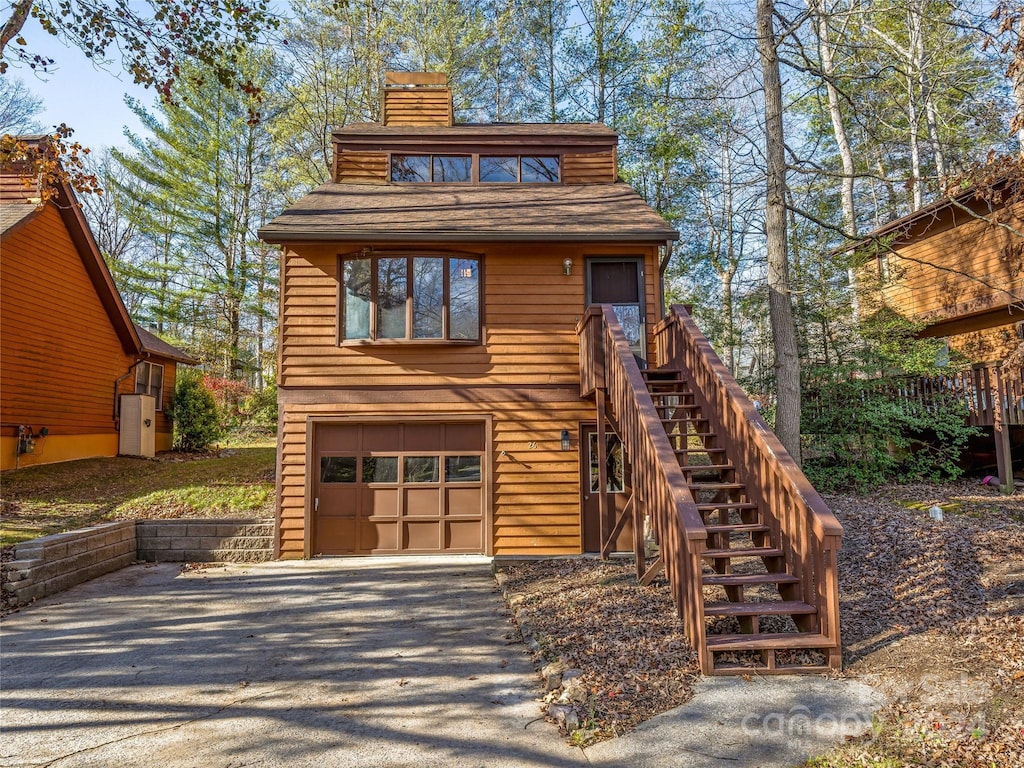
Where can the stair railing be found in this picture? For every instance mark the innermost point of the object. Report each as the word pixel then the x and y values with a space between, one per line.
pixel 607 364
pixel 801 523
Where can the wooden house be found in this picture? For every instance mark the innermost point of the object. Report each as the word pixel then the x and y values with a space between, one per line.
pixel 68 349
pixel 475 358
pixel 957 267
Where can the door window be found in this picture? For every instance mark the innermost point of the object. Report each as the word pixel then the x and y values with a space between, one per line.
pixel 616 466
pixel 619 282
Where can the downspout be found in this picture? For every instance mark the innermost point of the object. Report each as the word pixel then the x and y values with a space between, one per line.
pixel 117 386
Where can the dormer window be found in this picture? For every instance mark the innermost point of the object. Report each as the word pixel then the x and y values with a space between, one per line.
pixel 439 169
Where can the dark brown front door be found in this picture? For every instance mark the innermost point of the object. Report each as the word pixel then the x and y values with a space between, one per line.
pixel 397 488
pixel 617 485
pixel 620 282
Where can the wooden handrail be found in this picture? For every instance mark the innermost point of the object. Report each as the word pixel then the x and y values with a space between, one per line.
pixel 800 521
pixel 659 486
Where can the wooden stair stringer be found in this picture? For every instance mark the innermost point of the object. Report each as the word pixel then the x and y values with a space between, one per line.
pixel 730 515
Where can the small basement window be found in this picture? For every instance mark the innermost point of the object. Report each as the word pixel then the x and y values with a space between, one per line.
pixel 149 380
pixel 422 297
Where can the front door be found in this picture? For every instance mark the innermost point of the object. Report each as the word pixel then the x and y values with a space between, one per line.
pixel 620 282
pixel 618 489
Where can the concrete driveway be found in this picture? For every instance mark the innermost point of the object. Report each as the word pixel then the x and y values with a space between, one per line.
pixel 345 662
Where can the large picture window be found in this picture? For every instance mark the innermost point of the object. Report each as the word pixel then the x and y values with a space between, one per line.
pixel 410 297
pixel 149 380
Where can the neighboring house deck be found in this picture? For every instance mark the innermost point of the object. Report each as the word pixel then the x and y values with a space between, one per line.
pixel 957 267
pixel 68 349
pixel 475 357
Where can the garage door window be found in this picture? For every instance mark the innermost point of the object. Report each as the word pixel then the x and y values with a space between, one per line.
pixel 421 469
pixel 337 469
pixel 462 469
pixel 380 469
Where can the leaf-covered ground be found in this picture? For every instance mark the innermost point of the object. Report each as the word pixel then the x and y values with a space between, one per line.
pixel 932 615
pixel 51 498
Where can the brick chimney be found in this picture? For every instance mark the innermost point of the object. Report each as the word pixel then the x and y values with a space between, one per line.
pixel 417 99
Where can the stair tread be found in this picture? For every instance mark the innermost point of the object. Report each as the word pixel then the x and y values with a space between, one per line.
pixel 697 467
pixel 719 486
pixel 772 640
pixel 737 528
pixel 739 579
pixel 783 607
pixel 707 506
pixel 699 450
pixel 743 552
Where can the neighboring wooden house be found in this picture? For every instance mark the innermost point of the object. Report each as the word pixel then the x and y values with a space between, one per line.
pixel 462 306
pixel 68 349
pixel 957 266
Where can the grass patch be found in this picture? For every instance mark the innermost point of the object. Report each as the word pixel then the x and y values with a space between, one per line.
pixel 37 501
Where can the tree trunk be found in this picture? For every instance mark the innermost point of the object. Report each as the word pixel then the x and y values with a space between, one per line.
pixel 780 308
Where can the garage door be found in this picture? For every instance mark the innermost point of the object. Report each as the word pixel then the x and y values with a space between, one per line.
pixel 398 488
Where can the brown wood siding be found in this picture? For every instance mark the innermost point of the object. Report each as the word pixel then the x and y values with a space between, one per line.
pixel 590 168
pixel 530 311
pixel 989 345
pixel 418 106
pixel 950 272
pixel 525 375
pixel 361 167
pixel 535 504
pixel 57 367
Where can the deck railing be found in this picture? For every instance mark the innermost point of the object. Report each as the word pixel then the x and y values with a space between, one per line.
pixel 659 487
pixel 801 523
pixel 982 390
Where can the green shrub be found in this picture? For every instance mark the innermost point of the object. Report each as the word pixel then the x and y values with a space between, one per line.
pixel 863 433
pixel 260 408
pixel 194 412
pixel 874 420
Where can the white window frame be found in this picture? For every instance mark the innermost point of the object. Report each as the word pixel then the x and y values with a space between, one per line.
pixel 147 387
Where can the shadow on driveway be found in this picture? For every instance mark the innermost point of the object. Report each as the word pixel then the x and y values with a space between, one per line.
pixel 343 662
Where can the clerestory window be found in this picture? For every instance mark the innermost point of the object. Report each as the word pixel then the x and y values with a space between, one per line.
pixel 439 169
pixel 425 296
pixel 491 169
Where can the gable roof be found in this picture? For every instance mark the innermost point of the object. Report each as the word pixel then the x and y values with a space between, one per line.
pixel 16 210
pixel 13 214
pixel 470 213
pixel 937 216
pixel 154 345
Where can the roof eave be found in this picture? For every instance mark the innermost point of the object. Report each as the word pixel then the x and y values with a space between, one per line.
pixel 278 237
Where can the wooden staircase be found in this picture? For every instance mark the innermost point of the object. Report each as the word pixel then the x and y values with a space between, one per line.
pixel 748 587
pixel 747 545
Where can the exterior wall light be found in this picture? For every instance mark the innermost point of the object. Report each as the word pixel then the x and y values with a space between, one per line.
pixel 567 267
pixel 566 442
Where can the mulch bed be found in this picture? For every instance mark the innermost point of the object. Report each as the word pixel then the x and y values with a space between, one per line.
pixel 932 614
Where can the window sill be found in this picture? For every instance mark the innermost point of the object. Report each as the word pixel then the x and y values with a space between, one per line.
pixel 410 343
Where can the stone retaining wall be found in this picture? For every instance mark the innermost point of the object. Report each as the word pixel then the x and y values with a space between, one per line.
pixel 205 541
pixel 54 563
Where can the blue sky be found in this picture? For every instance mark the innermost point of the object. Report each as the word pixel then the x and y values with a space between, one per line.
pixel 88 99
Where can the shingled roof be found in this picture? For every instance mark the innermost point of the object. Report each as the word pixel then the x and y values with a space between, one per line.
pixel 154 345
pixel 469 213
